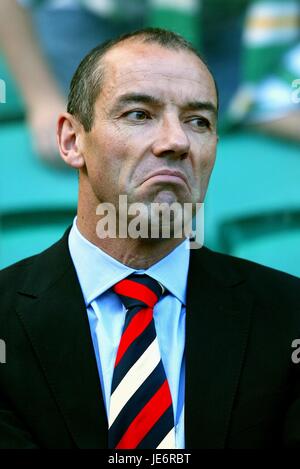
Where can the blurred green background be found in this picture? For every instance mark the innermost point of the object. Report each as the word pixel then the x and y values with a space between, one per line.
pixel 252 209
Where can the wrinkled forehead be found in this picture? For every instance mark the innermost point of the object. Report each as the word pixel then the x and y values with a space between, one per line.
pixel 138 65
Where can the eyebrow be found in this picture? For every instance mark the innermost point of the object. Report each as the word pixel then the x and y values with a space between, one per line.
pixel 201 106
pixel 132 98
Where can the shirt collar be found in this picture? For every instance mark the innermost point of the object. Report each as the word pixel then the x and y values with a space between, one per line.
pixel 97 271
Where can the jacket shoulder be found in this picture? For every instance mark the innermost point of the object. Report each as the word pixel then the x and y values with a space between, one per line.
pixel 32 270
pixel 9 275
pixel 259 279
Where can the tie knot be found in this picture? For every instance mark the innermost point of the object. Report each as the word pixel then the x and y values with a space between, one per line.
pixel 138 290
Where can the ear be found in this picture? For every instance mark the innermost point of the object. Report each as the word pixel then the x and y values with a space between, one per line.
pixel 68 130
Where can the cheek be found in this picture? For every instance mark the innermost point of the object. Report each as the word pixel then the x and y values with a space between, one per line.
pixel 115 167
pixel 127 158
pixel 118 147
pixel 206 155
pixel 102 170
pixel 208 164
pixel 204 165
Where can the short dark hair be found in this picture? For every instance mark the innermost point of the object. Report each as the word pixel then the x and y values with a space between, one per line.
pixel 88 78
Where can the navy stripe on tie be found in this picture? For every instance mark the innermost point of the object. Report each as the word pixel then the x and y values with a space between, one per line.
pixel 148 282
pixel 131 314
pixel 136 403
pixel 132 354
pixel 159 431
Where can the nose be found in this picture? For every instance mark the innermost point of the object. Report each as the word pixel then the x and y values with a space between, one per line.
pixel 171 139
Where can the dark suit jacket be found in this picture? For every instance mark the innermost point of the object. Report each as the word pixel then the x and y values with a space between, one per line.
pixel 242 388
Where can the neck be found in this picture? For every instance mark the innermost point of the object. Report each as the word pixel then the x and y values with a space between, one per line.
pixel 136 253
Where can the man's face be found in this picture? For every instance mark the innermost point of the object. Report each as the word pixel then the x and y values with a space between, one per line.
pixel 155 113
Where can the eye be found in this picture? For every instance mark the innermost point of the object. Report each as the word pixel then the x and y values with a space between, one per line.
pixel 199 122
pixel 136 116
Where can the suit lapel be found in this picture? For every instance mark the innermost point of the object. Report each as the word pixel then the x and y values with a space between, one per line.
pixel 53 312
pixel 217 324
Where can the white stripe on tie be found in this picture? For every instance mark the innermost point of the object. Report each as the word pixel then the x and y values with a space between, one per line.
pixel 135 377
pixel 169 441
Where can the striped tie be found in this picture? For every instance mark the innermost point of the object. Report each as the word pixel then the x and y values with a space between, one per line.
pixel 141 412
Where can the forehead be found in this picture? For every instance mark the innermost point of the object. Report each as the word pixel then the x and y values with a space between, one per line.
pixel 135 66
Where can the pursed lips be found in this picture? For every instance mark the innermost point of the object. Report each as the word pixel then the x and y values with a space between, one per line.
pixel 168 172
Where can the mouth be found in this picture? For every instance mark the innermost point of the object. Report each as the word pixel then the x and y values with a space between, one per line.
pixel 168 176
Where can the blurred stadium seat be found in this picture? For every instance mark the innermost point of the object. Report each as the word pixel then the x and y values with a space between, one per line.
pixel 37 202
pixel 14 106
pixel 272 240
pixel 253 202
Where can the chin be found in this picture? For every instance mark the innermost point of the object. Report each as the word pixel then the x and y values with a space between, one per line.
pixel 170 196
pixel 167 197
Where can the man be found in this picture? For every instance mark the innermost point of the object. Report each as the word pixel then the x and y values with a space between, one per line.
pixel 138 341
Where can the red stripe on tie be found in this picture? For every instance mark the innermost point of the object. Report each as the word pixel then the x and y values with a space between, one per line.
pixel 147 418
pixel 135 328
pixel 137 291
